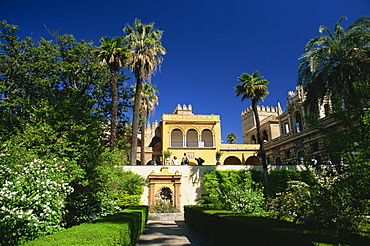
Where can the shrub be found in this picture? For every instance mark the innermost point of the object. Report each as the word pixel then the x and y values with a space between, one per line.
pixel 164 206
pixel 127 188
pixel 234 190
pixel 326 205
pixel 32 196
pixel 241 198
pixel 123 228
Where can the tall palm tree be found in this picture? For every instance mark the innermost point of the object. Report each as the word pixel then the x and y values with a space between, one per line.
pixel 333 62
pixel 113 53
pixel 254 86
pixel 231 137
pixel 146 50
pixel 149 99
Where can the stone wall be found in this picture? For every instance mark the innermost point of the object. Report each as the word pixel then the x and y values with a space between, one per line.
pixel 191 178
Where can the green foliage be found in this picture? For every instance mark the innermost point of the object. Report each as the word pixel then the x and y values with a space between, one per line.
pixel 55 99
pixel 223 227
pixel 234 190
pixel 333 62
pixel 32 196
pixel 127 188
pixel 167 153
pixel 164 206
pixel 231 137
pixel 331 204
pixel 279 179
pixel 241 198
pixel 122 228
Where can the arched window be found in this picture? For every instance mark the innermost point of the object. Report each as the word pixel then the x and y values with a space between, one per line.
pixel 278 161
pixel 253 139
pixel 298 122
pixel 176 138
pixel 265 136
pixel 285 128
pixel 207 138
pixel 192 138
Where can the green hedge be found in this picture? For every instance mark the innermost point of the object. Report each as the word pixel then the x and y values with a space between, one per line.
pixel 228 228
pixel 123 228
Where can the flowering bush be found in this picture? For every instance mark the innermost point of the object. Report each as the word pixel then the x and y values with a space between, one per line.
pixel 328 204
pixel 32 196
pixel 233 190
pixel 242 197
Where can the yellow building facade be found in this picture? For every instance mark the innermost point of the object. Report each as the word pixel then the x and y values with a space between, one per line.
pixel 194 135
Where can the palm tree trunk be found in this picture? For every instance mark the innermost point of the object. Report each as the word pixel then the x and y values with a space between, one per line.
pixel 135 122
pixel 262 151
pixel 142 143
pixel 113 112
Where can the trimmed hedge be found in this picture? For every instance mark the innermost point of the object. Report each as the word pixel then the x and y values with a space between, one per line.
pixel 123 228
pixel 229 228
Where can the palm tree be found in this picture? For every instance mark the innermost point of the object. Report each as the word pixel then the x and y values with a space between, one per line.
pixel 149 99
pixel 332 63
pixel 231 137
pixel 113 53
pixel 254 86
pixel 146 50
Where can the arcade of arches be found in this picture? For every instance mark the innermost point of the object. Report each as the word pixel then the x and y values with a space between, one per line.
pixel 184 133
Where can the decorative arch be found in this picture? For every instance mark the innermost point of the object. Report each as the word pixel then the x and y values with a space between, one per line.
pixel 232 160
pixel 252 160
pixel 164 186
pixel 192 138
pixel 207 138
pixel 177 139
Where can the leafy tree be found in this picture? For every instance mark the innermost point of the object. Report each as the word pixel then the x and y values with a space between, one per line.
pixel 332 64
pixel 254 86
pixel 146 50
pixel 114 54
pixel 231 137
pixel 53 105
pixel 335 69
pixel 149 99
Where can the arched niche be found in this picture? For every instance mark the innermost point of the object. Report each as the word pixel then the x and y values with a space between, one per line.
pixel 164 178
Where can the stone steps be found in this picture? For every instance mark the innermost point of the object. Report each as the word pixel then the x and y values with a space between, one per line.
pixel 166 216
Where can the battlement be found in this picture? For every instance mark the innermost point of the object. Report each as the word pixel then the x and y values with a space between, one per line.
pixel 187 110
pixel 261 109
pixel 152 126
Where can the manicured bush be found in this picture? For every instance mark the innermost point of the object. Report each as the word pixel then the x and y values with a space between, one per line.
pixel 228 228
pixel 122 228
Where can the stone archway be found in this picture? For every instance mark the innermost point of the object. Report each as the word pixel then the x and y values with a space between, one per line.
pixel 165 185
pixel 252 160
pixel 232 160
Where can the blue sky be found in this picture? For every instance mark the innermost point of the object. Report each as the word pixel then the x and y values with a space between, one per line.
pixel 209 43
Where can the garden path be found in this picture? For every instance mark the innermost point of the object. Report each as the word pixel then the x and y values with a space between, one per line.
pixel 170 233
